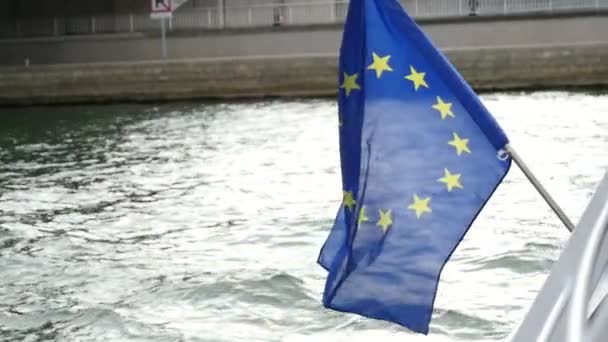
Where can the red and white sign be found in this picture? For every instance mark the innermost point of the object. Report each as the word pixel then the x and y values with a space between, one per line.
pixel 161 9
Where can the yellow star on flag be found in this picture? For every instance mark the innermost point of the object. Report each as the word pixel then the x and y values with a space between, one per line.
pixel 417 78
pixel 420 205
pixel 460 144
pixel 380 64
pixel 362 217
pixel 385 220
pixel 452 180
pixel 348 200
pixel 444 108
pixel 350 83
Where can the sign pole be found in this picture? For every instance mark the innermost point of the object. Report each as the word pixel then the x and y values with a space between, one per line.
pixel 163 38
pixel 161 9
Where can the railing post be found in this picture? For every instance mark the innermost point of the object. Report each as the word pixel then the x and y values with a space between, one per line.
pixel 131 24
pixel 416 7
pixel 209 17
pixel 332 12
pixel 504 6
pixel 55 27
pixel 289 15
pixel 92 24
pixel 460 7
pixel 17 28
pixel 249 16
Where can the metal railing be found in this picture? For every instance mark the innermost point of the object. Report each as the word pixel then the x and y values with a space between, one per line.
pixel 442 8
pixel 586 322
pixel 572 305
pixel 286 14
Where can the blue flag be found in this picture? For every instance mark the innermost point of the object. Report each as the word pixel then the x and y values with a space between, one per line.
pixel 420 157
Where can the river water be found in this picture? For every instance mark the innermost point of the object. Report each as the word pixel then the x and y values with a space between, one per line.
pixel 202 222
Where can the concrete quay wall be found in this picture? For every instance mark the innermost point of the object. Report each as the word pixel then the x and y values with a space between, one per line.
pixel 485 68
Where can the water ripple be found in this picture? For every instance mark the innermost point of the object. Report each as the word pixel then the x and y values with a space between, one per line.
pixel 202 222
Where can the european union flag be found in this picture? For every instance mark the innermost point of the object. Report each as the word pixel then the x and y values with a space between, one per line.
pixel 420 156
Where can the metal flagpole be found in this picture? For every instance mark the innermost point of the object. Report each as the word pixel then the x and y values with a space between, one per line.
pixel 539 187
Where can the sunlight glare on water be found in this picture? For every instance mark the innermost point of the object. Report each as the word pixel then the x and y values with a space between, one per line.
pixel 202 222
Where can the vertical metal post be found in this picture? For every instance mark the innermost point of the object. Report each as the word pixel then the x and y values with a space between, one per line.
pixel 539 187
pixel 209 18
pixel 289 14
pixel 163 38
pixel 460 7
pixel 131 24
pixel 220 14
pixel 92 24
pixel 332 12
pixel 249 16
pixel 55 27
pixel 504 6
pixel 416 7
